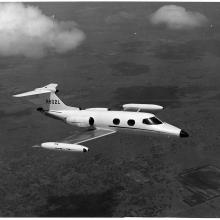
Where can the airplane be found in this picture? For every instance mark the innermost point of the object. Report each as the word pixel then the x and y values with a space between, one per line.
pixel 97 122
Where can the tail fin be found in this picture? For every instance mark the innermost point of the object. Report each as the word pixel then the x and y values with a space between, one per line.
pixel 45 98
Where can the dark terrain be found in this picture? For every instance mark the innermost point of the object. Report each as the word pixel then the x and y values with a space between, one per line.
pixel 123 174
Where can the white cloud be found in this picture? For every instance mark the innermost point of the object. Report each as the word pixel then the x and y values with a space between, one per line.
pixel 25 30
pixel 176 17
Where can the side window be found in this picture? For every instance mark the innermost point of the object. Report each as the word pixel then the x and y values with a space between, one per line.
pixel 116 121
pixel 155 121
pixel 146 121
pixel 131 122
pixel 152 121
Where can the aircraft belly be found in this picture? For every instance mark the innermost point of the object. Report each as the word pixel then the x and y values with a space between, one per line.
pixel 140 131
pixel 129 130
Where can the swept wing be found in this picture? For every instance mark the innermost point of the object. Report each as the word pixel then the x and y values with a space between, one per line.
pixel 72 143
pixel 83 136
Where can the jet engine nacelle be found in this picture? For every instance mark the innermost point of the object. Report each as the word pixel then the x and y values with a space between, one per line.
pixel 80 121
pixel 64 147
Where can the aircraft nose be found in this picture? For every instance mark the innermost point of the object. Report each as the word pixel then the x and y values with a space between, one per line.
pixel 183 134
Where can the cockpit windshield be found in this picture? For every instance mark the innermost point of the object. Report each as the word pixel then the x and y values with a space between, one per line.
pixel 152 121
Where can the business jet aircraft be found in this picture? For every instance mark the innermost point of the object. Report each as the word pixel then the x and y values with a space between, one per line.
pixel 97 122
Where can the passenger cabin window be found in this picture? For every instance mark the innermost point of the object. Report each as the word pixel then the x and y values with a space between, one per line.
pixel 131 122
pixel 152 121
pixel 116 121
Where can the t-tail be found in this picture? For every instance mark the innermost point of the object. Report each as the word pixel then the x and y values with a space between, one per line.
pixel 45 98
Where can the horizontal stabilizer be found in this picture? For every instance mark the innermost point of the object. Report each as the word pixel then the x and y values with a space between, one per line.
pixel 31 93
pixel 46 89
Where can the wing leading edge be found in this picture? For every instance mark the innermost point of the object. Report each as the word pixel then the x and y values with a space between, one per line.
pixel 88 135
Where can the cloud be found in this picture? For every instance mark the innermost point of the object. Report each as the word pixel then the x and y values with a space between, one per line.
pixel 176 17
pixel 25 30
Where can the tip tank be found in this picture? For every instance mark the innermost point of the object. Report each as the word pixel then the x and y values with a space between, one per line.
pixel 64 147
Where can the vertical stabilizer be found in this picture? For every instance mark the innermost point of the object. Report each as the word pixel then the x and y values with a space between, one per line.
pixel 54 103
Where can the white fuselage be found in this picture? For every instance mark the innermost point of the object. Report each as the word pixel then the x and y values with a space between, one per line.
pixel 115 120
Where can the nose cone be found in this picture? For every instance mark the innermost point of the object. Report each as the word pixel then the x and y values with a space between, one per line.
pixel 183 134
pixel 169 129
